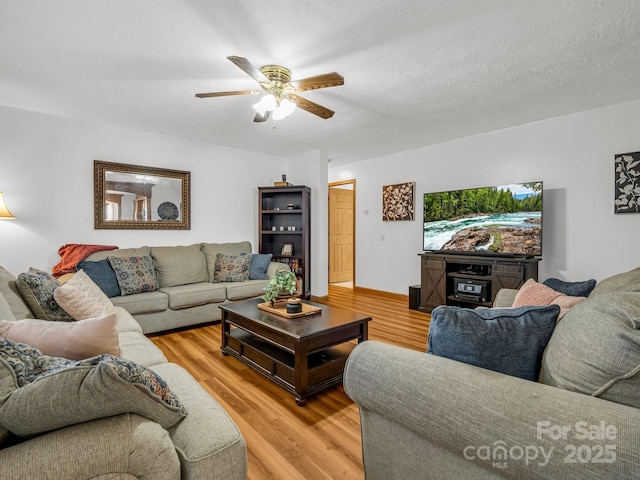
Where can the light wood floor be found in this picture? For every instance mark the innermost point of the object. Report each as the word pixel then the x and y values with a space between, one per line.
pixel 284 441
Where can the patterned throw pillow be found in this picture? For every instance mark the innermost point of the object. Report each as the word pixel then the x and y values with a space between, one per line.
pixel 134 274
pixel 232 268
pixel 81 298
pixel 37 287
pixel 42 402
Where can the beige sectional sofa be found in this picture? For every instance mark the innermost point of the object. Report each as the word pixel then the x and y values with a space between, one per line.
pixel 204 444
pixel 187 293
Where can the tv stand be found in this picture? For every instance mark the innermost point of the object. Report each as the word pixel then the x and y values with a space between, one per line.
pixel 470 280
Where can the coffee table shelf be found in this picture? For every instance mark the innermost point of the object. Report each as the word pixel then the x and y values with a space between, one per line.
pixel 302 355
pixel 323 367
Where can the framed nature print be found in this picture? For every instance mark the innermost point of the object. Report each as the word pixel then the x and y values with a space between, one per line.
pixel 627 183
pixel 287 250
pixel 398 201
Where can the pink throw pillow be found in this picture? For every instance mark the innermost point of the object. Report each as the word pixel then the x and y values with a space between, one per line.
pixel 537 294
pixel 73 340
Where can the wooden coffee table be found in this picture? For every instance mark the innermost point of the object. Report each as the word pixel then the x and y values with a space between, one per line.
pixel 303 355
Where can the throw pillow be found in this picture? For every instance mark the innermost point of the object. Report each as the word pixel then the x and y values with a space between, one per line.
pixel 509 340
pixel 622 282
pixel 573 289
pixel 538 294
pixel 259 265
pixel 55 393
pixel 81 298
pixel 232 268
pixel 72 340
pixel 102 275
pixel 134 274
pixel 595 349
pixel 37 287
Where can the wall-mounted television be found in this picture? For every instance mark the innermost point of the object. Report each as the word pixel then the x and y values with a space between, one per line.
pixel 498 220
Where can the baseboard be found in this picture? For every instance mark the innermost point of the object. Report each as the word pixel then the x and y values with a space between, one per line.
pixel 319 299
pixel 381 293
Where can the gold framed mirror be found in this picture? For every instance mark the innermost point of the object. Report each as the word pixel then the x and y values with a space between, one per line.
pixel 137 197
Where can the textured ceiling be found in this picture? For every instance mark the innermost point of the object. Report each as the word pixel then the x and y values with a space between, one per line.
pixel 416 72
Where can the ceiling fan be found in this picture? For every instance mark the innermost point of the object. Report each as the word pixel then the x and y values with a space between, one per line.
pixel 281 92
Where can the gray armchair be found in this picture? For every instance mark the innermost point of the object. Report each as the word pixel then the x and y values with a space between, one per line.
pixel 426 417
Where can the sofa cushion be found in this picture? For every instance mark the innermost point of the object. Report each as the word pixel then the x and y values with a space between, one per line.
pixel 37 287
pixel 179 265
pixel 72 340
pixel 125 322
pixel 534 293
pixel 143 302
pixel 102 275
pixel 248 289
pixel 134 274
pixel 11 293
pixel 135 347
pixel 184 296
pixel 81 298
pixel 5 309
pixel 211 251
pixel 573 289
pixel 595 349
pixel 622 282
pixel 207 440
pixel 120 252
pixel 232 268
pixel 259 266
pixel 509 340
pixel 101 386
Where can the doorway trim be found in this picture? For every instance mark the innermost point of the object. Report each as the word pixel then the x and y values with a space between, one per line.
pixel 353 256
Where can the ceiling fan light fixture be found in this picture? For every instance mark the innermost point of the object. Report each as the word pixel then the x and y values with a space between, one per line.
pixel 266 104
pixel 285 109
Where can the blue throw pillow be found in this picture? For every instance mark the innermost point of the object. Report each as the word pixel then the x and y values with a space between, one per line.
pixel 102 275
pixel 259 265
pixel 573 289
pixel 506 340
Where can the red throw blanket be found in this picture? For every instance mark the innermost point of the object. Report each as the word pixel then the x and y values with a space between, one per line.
pixel 73 253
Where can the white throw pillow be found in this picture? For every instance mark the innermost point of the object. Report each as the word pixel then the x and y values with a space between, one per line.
pixel 81 298
pixel 72 340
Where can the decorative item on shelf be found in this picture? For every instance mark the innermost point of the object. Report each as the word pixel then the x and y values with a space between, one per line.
pixel 4 211
pixel 283 183
pixel 287 249
pixel 294 305
pixel 285 282
pixel 290 206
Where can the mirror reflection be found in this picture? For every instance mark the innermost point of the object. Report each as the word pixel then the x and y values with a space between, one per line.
pixel 130 196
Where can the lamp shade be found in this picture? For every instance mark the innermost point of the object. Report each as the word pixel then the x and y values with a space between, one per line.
pixel 266 104
pixel 4 211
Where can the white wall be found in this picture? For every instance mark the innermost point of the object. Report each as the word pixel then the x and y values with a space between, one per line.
pixel 46 173
pixel 310 169
pixel 573 155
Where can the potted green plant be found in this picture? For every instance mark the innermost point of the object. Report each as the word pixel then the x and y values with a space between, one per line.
pixel 285 282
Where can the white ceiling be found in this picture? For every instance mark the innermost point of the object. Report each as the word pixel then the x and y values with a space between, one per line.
pixel 417 72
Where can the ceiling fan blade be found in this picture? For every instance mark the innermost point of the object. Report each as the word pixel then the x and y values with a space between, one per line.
pixel 226 94
pixel 312 107
pixel 262 118
pixel 249 69
pixel 319 81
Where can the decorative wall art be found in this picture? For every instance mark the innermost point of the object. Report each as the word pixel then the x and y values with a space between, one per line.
pixel 397 201
pixel 627 186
